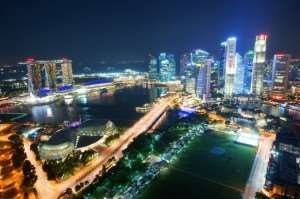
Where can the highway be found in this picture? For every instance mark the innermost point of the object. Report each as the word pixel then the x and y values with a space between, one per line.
pixel 51 189
pixel 256 179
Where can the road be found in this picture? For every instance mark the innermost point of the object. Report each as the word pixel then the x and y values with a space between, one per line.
pixel 51 189
pixel 256 179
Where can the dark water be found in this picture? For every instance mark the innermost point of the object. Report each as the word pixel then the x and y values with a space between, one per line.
pixel 117 106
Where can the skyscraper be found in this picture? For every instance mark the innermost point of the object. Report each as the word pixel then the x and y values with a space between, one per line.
pixel 259 62
pixel 48 74
pixel 190 85
pixel 34 75
pixel 280 71
pixel 214 78
pixel 239 77
pixel 67 72
pixel 248 64
pixel 186 68
pixel 167 67
pixel 230 68
pixel 202 62
pixel 153 69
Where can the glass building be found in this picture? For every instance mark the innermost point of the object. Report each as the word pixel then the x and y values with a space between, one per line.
pixel 230 67
pixel 153 69
pixel 202 62
pixel 280 71
pixel 239 77
pixel 167 67
pixel 248 66
pixel 186 68
pixel 259 63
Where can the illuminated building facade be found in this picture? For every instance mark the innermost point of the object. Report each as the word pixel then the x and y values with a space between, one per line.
pixel 66 71
pixel 222 60
pixel 259 63
pixel 167 67
pixel 239 77
pixel 280 71
pixel 214 78
pixel 190 85
pixel 248 66
pixel 202 62
pixel 230 67
pixel 186 68
pixel 48 74
pixel 294 71
pixel 153 69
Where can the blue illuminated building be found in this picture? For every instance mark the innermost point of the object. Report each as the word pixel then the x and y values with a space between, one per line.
pixel 201 60
pixel 239 77
pixel 248 66
pixel 153 68
pixel 167 67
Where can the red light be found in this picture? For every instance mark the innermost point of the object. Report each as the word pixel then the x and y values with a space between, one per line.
pixel 29 59
pixel 263 36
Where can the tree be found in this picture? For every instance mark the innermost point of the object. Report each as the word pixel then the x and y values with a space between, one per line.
pixel 29 173
pixel 34 148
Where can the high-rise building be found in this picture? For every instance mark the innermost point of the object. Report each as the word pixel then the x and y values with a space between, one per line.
pixel 48 74
pixel 239 77
pixel 186 68
pixel 67 72
pixel 248 66
pixel 280 71
pixel 230 68
pixel 190 85
pixel 222 60
pixel 167 67
pixel 294 70
pixel 34 75
pixel 153 69
pixel 259 62
pixel 202 62
pixel 214 78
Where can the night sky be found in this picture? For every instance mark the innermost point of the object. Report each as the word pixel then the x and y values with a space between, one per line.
pixel 94 30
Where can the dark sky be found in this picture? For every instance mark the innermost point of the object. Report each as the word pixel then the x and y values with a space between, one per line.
pixel 94 30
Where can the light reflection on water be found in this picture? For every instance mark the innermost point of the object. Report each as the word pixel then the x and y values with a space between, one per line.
pixel 117 106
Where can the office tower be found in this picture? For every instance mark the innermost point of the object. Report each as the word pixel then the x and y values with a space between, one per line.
pixel 294 70
pixel 294 77
pixel 239 77
pixel 167 67
pixel 203 80
pixel 202 62
pixel 153 69
pixel 190 85
pixel 222 59
pixel 280 71
pixel 230 67
pixel 214 78
pixel 248 66
pixel 186 68
pixel 259 62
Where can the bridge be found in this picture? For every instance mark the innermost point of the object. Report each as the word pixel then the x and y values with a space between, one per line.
pixel 52 189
